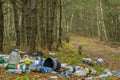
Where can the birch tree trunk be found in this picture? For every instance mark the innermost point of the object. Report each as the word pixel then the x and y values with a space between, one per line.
pixel 102 22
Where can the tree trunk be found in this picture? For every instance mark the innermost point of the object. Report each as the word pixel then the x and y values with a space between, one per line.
pixel 47 21
pixel 23 39
pixel 33 25
pixel 51 25
pixel 60 26
pixel 1 27
pixel 16 22
pixel 42 27
pixel 28 21
pixel 102 21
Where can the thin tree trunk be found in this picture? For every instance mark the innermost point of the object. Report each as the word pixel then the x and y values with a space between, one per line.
pixel 16 22
pixel 98 21
pixel 33 25
pixel 60 26
pixel 1 26
pixel 28 21
pixel 52 18
pixel 42 27
pixel 47 21
pixel 103 24
pixel 23 39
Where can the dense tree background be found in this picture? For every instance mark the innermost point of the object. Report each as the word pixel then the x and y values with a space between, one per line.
pixel 45 24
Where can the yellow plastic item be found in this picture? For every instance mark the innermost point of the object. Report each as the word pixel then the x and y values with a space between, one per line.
pixel 27 62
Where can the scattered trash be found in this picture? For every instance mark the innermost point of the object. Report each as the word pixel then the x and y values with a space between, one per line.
pixel 64 65
pixel 87 70
pixel 93 72
pixel 14 64
pixel 78 68
pixel 2 60
pixel 53 77
pixel 52 63
pixel 100 61
pixel 17 66
pixel 37 53
pixel 37 62
pixel 108 72
pixel 68 72
pixel 14 57
pixel 103 76
pixel 44 69
pixel 90 78
pixel 26 60
pixel 117 73
pixel 87 61
pixel 80 73
pixel 14 71
pixel 52 54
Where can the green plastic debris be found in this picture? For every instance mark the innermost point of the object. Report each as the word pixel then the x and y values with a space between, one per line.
pixel 2 60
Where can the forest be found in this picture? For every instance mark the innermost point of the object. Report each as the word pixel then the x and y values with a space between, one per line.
pixel 45 23
pixel 48 25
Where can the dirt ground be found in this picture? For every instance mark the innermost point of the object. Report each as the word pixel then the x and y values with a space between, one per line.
pixel 96 48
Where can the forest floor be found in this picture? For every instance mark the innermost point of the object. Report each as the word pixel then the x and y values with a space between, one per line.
pixel 95 48
pixel 92 48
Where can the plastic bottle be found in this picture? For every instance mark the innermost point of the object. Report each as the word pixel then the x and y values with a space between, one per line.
pixel 80 73
pixel 14 71
pixel 90 78
pixel 103 76
pixel 18 71
pixel 14 57
pixel 17 66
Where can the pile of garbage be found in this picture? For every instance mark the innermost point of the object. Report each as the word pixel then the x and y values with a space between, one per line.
pixel 15 63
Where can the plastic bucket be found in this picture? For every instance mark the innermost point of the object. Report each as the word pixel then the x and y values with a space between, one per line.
pixel 52 63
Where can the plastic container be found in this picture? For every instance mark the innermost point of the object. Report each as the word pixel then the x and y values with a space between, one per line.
pixel 117 73
pixel 67 73
pixel 14 71
pixel 108 72
pixel 103 76
pixel 14 57
pixel 37 62
pixel 93 72
pixel 80 73
pixel 52 63
pixel 18 71
pixel 44 69
pixel 17 66
pixel 2 60
pixel 100 61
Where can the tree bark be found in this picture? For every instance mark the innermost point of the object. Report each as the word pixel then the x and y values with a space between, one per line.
pixel 51 25
pixel 60 26
pixel 1 27
pixel 23 39
pixel 42 27
pixel 16 22
pixel 33 25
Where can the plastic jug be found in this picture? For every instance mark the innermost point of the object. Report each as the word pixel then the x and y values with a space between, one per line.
pixel 14 57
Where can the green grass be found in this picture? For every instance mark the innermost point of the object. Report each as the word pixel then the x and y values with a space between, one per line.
pixel 114 57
